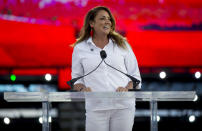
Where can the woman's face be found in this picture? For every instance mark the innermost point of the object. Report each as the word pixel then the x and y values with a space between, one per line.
pixel 102 23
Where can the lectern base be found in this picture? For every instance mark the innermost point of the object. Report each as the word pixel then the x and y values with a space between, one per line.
pixel 45 116
pixel 153 121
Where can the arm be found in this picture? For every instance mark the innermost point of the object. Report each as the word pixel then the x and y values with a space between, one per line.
pixel 130 85
pixel 77 70
pixel 122 89
pixel 132 67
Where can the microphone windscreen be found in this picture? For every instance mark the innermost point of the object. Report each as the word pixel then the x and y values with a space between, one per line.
pixel 103 54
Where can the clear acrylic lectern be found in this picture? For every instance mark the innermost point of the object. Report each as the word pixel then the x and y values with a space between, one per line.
pixel 47 97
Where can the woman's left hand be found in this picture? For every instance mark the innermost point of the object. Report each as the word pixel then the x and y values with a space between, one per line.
pixel 121 89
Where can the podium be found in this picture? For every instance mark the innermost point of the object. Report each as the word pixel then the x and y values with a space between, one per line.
pixel 47 97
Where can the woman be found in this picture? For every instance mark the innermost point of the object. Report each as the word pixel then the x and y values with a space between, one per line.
pixel 97 34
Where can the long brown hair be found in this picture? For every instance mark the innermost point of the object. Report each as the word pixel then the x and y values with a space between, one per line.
pixel 86 29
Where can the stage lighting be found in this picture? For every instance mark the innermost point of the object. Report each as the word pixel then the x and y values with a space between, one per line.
pixel 41 120
pixel 13 77
pixel 50 119
pixel 197 75
pixel 162 74
pixel 6 120
pixel 192 118
pixel 195 98
pixel 48 77
pixel 158 118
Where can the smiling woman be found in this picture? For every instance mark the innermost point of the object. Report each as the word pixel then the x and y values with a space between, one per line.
pixel 98 34
pixel 101 26
pixel 99 20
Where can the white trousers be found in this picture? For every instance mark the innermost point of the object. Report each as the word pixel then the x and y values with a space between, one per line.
pixel 110 120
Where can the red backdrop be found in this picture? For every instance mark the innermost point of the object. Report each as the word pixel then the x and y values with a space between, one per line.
pixel 34 36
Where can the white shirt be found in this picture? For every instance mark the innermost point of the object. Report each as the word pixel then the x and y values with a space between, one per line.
pixel 86 57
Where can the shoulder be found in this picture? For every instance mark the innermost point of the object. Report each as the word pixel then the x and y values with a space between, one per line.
pixel 80 45
pixel 126 46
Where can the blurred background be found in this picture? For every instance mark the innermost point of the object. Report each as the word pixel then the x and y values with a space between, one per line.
pixel 35 55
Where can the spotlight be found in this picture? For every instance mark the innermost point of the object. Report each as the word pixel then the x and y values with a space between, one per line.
pixel 158 118
pixel 41 119
pixel 50 119
pixel 195 98
pixel 13 77
pixel 192 118
pixel 6 120
pixel 48 77
pixel 162 74
pixel 197 75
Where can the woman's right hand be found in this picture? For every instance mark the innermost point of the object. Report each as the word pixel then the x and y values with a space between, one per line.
pixel 82 87
pixel 87 89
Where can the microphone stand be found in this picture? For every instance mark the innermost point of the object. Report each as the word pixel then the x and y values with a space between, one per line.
pixel 72 81
pixel 134 80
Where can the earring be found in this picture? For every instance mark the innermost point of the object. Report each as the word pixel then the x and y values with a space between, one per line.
pixel 91 31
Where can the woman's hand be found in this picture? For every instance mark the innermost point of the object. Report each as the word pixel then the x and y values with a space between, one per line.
pixel 87 89
pixel 121 89
pixel 79 87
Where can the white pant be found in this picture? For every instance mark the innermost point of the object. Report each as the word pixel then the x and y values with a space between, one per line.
pixel 110 120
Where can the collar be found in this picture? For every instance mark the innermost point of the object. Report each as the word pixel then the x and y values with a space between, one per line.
pixel 90 41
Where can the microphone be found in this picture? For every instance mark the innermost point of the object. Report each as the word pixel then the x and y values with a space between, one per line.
pixel 135 81
pixel 103 54
pixel 72 81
